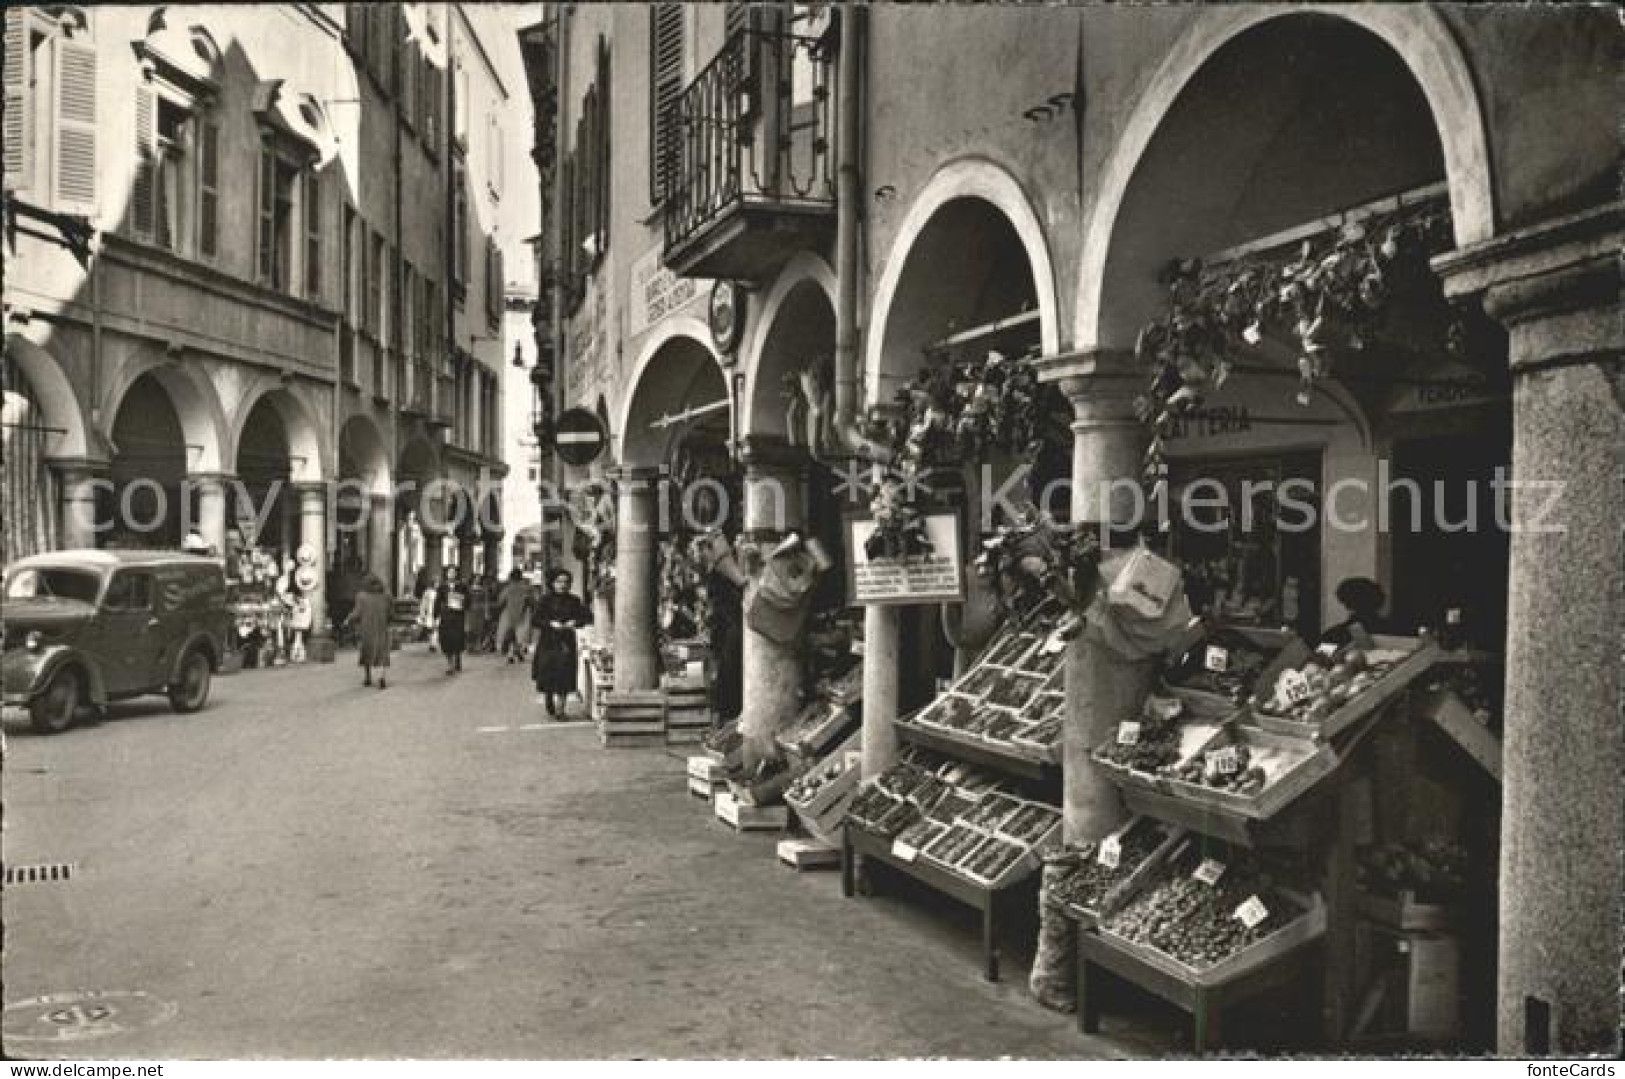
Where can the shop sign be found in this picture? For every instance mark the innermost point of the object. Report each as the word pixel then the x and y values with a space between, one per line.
pixel 1207 422
pixel 657 292
pixel 582 368
pixel 934 577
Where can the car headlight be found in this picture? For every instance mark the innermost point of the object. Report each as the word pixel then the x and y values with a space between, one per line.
pixel 33 641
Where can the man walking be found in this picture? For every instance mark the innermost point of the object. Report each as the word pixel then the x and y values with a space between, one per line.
pixel 514 604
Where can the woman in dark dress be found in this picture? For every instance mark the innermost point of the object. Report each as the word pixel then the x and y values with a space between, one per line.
pixel 453 615
pixel 555 618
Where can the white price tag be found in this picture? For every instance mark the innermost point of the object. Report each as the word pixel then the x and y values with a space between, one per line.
pixel 902 851
pixel 1110 853
pixel 1252 912
pixel 1217 659
pixel 1452 617
pixel 1224 761
pixel 1128 734
pixel 1209 871
pixel 1294 687
pixel 1053 644
pixel 1329 650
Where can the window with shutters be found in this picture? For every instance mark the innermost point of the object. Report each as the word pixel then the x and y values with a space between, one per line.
pixel 493 284
pixel 460 233
pixel 411 86
pixel 313 234
pixel 459 105
pixel 274 219
pixel 375 288
pixel 347 266
pixel 172 177
pixel 208 223
pixel 665 85
pixel 51 107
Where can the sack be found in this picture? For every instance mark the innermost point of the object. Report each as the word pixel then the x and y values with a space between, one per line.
pixel 1054 978
pixel 777 606
pixel 1146 585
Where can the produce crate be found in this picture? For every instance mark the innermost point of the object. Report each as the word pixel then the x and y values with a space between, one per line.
pixel 749 818
pixel 1447 711
pixel 822 813
pixel 633 720
pixel 818 726
pixel 1420 655
pixel 1286 648
pixel 704 788
pixel 1088 916
pixel 804 854
pixel 1194 734
pixel 1020 869
pixel 707 769
pixel 1306 927
pixel 1302 765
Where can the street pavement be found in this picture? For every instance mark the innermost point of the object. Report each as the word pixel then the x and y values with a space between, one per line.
pixel 312 869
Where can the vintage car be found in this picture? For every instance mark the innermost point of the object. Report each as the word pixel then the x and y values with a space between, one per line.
pixel 83 628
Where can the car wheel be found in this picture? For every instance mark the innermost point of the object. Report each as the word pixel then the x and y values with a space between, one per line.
pixel 52 711
pixel 191 691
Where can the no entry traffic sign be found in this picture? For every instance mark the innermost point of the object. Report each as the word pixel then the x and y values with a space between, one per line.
pixel 579 437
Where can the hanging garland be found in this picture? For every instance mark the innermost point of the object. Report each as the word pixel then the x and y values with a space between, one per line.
pixel 1328 301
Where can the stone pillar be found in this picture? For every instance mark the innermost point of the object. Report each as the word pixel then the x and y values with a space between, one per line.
pixel 1556 288
pixel 881 648
pixel 313 534
pixel 1102 688
pixel 211 507
pixel 77 483
pixel 381 539
pixel 637 539
pixel 771 671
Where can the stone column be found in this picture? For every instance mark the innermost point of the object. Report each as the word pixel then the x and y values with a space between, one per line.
pixel 771 671
pixel 211 507
pixel 313 534
pixel 637 539
pixel 78 482
pixel 1556 288
pixel 1102 688
pixel 881 647
pixel 381 539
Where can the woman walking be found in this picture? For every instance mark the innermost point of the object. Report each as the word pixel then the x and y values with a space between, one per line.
pixel 514 605
pixel 453 615
pixel 555 618
pixel 371 617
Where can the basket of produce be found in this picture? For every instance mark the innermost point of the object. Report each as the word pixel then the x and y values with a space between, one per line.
pixel 1248 772
pixel 1206 914
pixel 820 796
pixel 1412 886
pixel 1091 880
pixel 1041 740
pixel 1168 732
pixel 819 725
pixel 990 812
pixel 1033 825
pixel 1013 689
pixel 916 837
pixel 997 863
pixel 1334 688
pixel 951 846
pixel 725 744
pixel 1008 649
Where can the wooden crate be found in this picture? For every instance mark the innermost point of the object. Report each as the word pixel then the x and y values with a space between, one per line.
pixel 615 740
pixel 1311 763
pixel 1405 913
pixel 1308 926
pixel 746 818
pixel 804 854
pixel 708 769
pixel 1422 654
pixel 705 788
pixel 1123 890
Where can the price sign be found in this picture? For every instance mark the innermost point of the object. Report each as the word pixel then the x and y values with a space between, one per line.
pixel 1217 659
pixel 1054 643
pixel 903 852
pixel 1294 687
pixel 1452 617
pixel 1329 650
pixel 1252 912
pixel 1209 871
pixel 1224 761
pixel 1128 734
pixel 1110 853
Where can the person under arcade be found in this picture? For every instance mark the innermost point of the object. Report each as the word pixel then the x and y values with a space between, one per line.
pixel 555 618
pixel 1364 600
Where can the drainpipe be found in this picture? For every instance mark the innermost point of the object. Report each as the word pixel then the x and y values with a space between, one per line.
pixel 561 81
pixel 847 194
pixel 391 370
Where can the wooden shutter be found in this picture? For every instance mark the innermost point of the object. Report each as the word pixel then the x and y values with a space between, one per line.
pixel 665 86
pixel 313 235
pixel 208 231
pixel 265 233
pixel 145 191
pixel 18 131
pixel 75 127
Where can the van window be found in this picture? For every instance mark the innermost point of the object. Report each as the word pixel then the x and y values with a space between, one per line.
pixel 59 583
pixel 130 591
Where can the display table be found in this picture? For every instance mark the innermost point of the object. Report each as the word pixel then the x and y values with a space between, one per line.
pixel 988 901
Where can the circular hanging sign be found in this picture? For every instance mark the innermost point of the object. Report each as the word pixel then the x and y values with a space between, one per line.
pixel 306 555
pixel 305 578
pixel 578 437
pixel 727 315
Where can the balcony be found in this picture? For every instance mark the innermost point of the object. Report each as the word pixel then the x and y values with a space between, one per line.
pixel 750 179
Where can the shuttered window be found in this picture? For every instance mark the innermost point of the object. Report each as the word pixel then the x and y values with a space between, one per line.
pixel 18 131
pixel 145 191
pixel 265 232
pixel 493 283
pixel 313 235
pixel 208 228
pixel 665 85
pixel 76 127
pixel 375 288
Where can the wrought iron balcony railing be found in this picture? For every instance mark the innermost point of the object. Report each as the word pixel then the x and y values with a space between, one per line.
pixel 754 132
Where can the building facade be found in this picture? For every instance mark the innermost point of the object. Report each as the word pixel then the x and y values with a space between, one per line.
pixel 716 235
pixel 229 304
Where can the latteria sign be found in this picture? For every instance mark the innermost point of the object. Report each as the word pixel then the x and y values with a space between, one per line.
pixel 934 577
pixel 657 292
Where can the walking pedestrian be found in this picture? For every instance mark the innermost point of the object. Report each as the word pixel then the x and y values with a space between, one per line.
pixel 452 616
pixel 477 605
pixel 555 619
pixel 428 613
pixel 370 616
pixel 514 611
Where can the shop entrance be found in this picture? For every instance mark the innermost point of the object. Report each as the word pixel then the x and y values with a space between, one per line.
pixel 149 470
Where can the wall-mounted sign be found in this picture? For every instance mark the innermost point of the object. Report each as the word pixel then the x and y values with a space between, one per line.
pixel 578 437
pixel 656 292
pixel 1217 420
pixel 935 577
pixel 727 316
